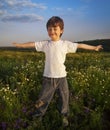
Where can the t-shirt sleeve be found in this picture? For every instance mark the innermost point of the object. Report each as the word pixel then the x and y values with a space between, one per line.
pixel 71 47
pixel 39 46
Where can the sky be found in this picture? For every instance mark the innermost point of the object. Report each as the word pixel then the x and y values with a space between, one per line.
pixel 25 20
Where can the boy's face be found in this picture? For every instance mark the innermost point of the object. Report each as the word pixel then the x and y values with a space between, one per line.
pixel 54 33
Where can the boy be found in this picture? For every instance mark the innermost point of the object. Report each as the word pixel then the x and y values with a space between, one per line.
pixel 54 76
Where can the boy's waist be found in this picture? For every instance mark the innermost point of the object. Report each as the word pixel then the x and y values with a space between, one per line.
pixel 54 75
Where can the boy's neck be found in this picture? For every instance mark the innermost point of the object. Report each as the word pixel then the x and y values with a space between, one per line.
pixel 55 40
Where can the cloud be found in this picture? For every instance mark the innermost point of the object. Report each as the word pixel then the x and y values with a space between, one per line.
pixel 9 11
pixel 16 4
pixel 62 11
pixel 73 12
pixel 86 1
pixel 57 9
pixel 2 12
pixel 24 18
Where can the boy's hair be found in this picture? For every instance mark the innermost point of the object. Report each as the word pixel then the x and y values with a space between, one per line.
pixel 55 21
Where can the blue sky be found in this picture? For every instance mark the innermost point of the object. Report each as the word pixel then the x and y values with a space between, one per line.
pixel 25 20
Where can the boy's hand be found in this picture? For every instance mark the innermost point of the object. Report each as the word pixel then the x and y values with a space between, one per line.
pixel 98 48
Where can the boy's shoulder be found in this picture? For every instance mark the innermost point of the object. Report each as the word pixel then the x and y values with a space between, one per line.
pixel 67 42
pixel 43 42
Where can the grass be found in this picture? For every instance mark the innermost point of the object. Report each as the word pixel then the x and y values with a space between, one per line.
pixel 89 84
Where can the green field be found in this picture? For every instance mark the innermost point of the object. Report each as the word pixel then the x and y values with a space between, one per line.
pixel 89 84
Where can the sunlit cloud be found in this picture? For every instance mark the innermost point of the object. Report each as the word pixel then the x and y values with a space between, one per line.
pixel 25 18
pixel 9 11
pixel 14 4
pixel 69 9
pixel 86 0
pixel 62 9
pixel 57 8
pixel 75 12
pixel 2 12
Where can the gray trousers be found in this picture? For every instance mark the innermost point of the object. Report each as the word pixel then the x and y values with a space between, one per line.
pixel 49 87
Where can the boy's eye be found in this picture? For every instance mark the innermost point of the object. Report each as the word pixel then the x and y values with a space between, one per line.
pixel 52 29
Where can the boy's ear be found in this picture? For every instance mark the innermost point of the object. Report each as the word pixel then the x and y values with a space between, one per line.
pixel 62 31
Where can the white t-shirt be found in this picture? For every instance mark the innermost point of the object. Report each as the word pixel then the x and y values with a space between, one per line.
pixel 55 52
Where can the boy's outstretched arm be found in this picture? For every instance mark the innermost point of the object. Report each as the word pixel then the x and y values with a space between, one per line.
pixel 24 45
pixel 89 47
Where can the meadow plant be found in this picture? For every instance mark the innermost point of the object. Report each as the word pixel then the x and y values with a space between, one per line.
pixel 89 83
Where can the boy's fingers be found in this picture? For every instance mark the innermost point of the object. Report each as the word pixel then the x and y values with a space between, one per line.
pixel 100 47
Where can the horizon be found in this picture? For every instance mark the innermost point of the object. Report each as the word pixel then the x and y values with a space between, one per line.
pixel 25 20
pixel 74 41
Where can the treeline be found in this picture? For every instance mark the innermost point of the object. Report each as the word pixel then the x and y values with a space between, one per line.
pixel 16 49
pixel 104 42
